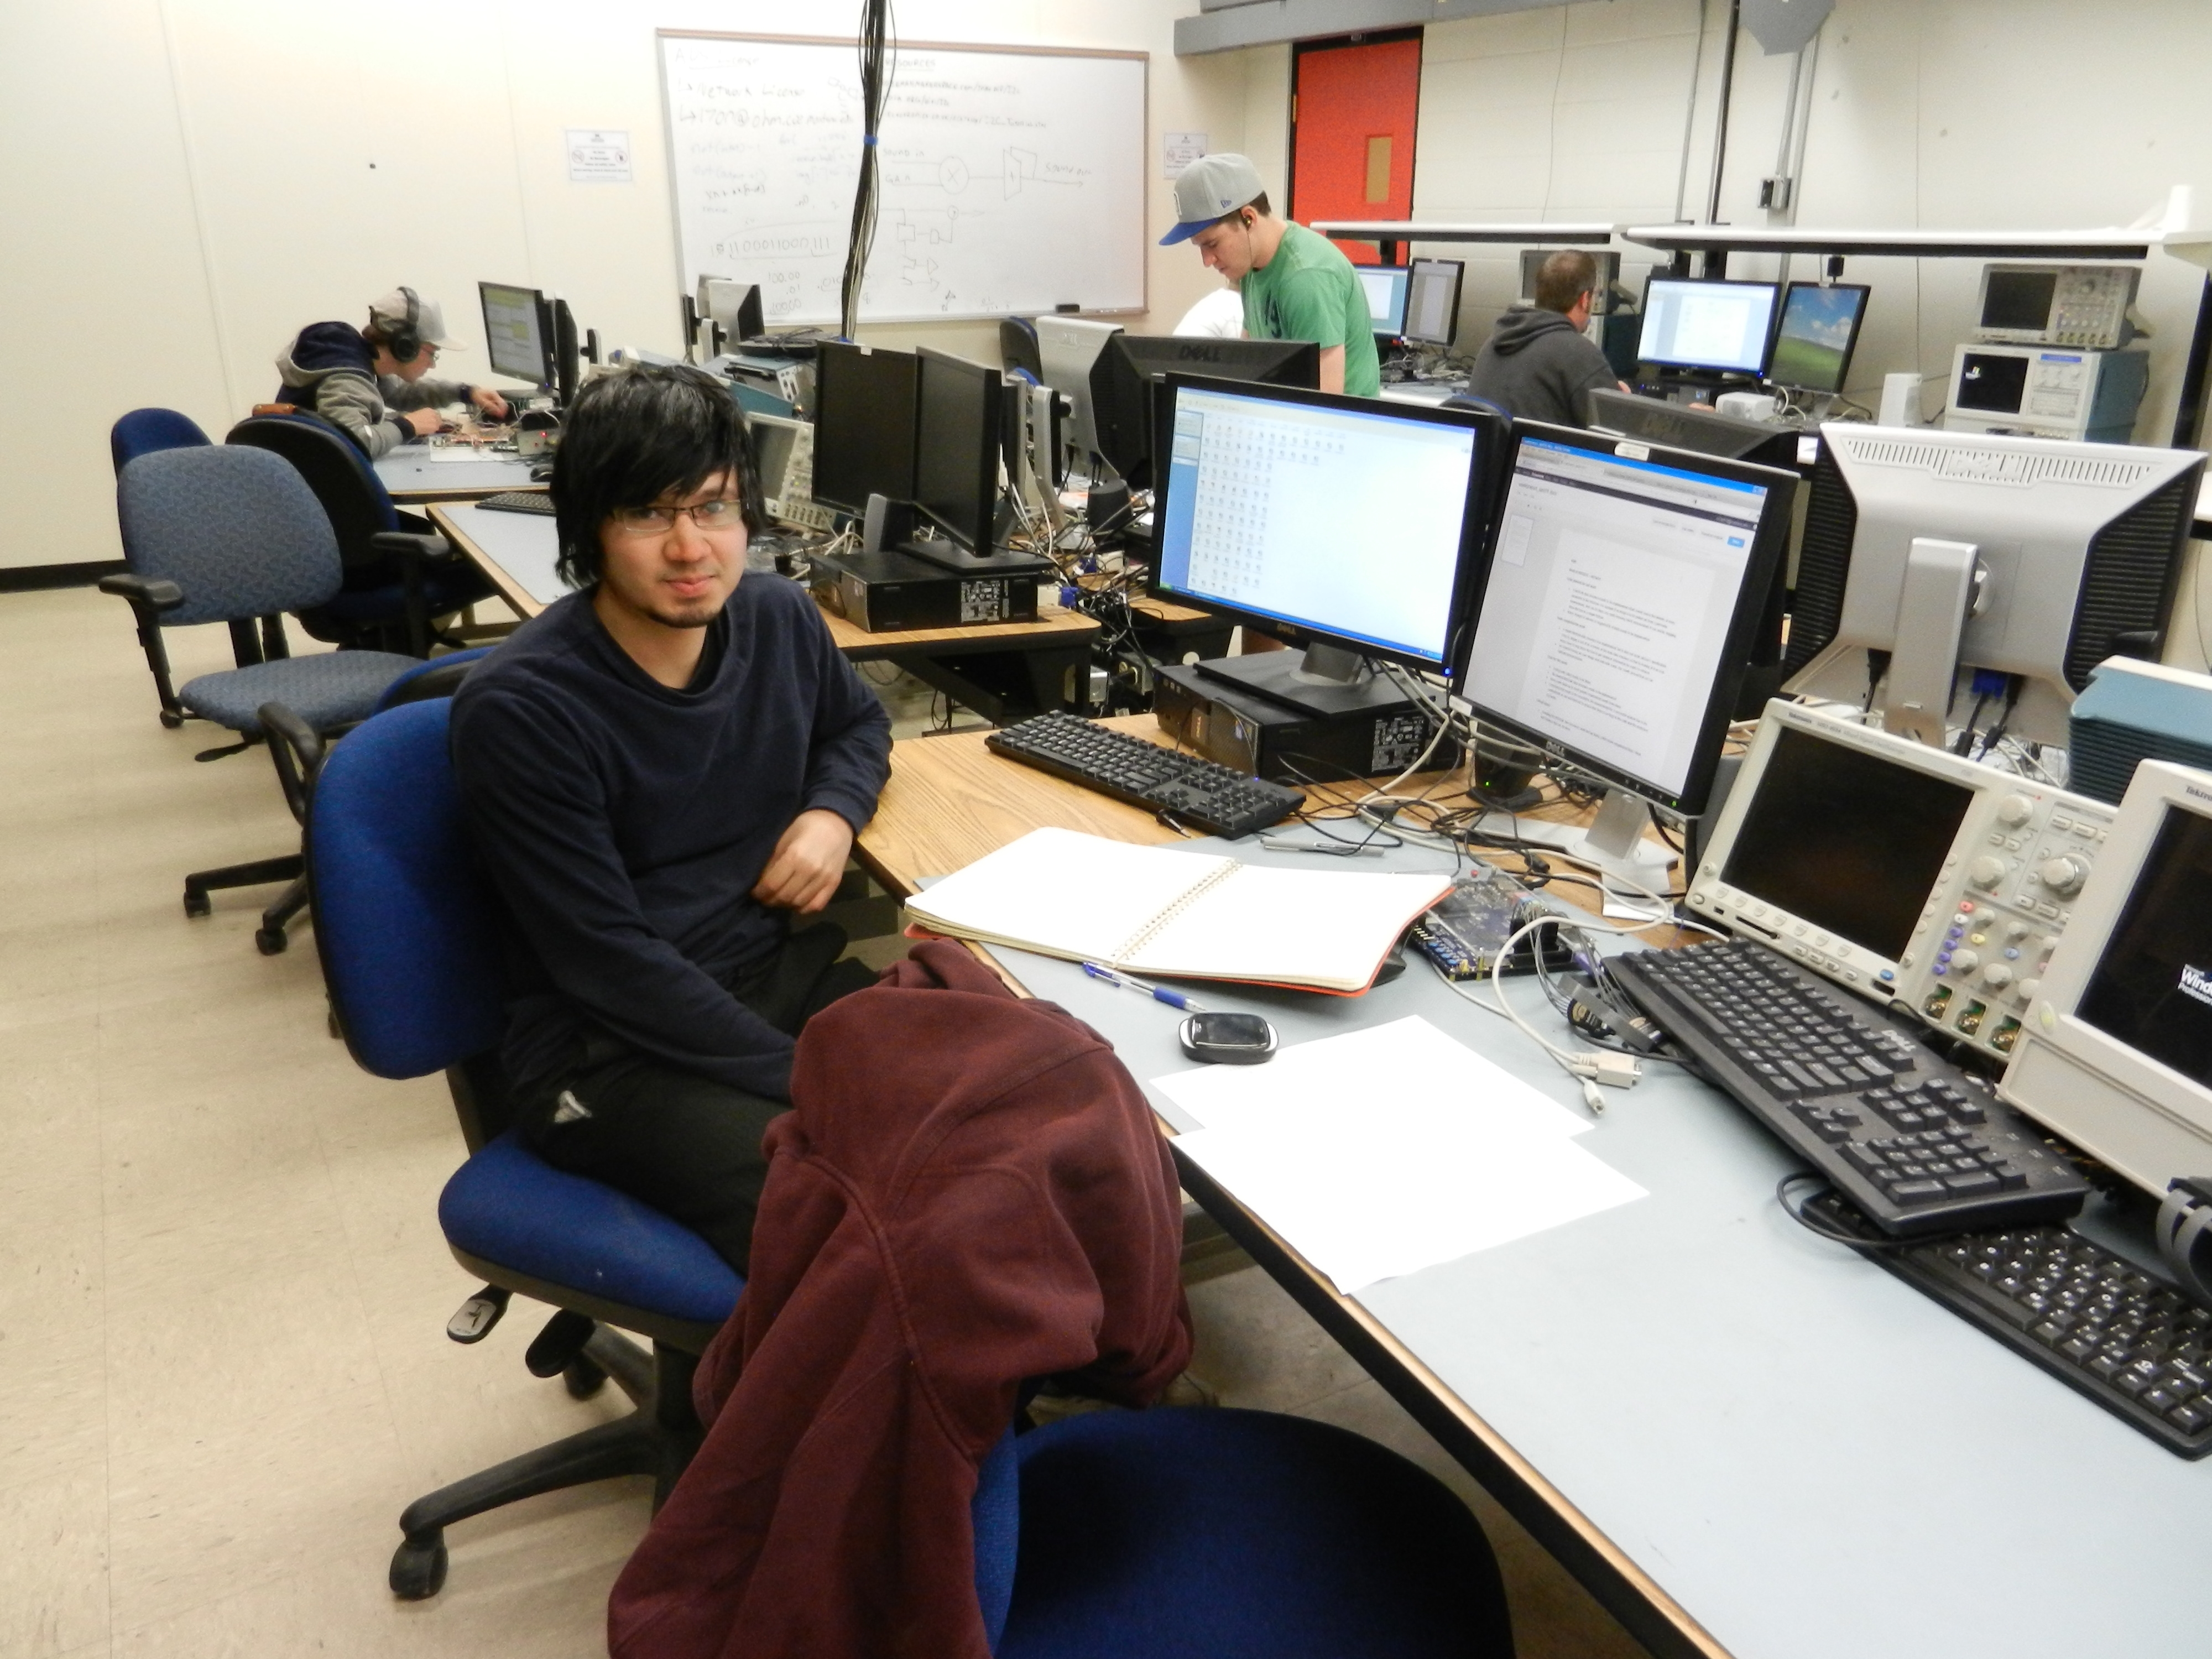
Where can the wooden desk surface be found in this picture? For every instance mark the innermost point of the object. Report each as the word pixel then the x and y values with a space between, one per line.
pixel 951 801
pixel 1054 629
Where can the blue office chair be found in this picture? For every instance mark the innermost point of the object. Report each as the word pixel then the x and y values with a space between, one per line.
pixel 232 535
pixel 400 574
pixel 404 925
pixel 1189 1533
pixel 143 431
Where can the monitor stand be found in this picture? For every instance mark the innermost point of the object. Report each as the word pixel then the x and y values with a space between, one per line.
pixel 1614 843
pixel 1324 680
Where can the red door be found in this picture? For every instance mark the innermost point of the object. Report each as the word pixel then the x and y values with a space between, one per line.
pixel 1353 111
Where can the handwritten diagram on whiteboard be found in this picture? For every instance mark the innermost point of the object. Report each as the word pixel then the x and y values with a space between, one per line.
pixel 1011 181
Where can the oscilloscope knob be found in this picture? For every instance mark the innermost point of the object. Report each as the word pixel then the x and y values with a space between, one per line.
pixel 1986 871
pixel 2014 811
pixel 2063 875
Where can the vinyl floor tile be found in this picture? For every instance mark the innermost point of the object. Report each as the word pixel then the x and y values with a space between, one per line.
pixel 54 1562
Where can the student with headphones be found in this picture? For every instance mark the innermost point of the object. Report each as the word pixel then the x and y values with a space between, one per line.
pixel 374 383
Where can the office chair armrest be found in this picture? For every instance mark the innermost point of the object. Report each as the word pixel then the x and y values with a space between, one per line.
pixel 407 547
pixel 297 749
pixel 155 595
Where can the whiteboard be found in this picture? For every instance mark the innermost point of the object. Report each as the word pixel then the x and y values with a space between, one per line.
pixel 1012 181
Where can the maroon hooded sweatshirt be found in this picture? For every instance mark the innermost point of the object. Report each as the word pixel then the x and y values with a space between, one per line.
pixel 968 1192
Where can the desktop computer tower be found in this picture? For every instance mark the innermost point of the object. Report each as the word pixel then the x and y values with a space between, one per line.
pixel 1256 735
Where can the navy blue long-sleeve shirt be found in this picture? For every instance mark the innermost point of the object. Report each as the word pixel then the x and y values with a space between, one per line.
pixel 625 823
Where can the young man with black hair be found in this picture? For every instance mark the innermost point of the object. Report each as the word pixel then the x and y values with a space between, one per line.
pixel 373 383
pixel 661 771
pixel 1537 363
pixel 1296 284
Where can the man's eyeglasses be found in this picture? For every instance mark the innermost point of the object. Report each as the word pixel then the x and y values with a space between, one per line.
pixel 711 517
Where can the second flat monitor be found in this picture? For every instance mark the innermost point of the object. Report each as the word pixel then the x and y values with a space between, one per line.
pixel 1715 326
pixel 864 428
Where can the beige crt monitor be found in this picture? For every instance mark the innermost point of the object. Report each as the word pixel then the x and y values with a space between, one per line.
pixel 2116 1052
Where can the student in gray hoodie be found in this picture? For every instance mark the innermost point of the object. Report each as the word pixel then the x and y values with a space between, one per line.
pixel 374 383
pixel 1537 363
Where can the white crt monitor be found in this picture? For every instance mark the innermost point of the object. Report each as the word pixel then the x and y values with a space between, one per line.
pixel 1929 555
pixel 2116 1054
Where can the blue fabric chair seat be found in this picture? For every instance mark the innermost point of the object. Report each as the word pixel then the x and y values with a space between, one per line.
pixel 507 1205
pixel 443 592
pixel 329 689
pixel 1192 1533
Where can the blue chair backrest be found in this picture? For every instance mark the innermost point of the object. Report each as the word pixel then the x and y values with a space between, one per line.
pixel 995 1515
pixel 440 676
pixel 359 505
pixel 237 529
pixel 404 919
pixel 143 431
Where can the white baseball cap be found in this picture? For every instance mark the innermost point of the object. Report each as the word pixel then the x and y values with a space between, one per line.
pixel 405 311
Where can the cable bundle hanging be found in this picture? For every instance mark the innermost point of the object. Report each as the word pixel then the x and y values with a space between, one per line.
pixel 878 55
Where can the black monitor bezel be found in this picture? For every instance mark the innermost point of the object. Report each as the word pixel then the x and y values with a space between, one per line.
pixel 549 373
pixel 1459 289
pixel 1474 525
pixel 1769 542
pixel 976 538
pixel 1766 350
pixel 1124 406
pixel 825 376
pixel 1865 291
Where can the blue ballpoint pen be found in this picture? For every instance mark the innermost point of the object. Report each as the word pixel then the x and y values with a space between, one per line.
pixel 1157 993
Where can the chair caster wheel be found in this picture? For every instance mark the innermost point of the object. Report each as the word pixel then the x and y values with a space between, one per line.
pixel 196 905
pixel 270 941
pixel 173 721
pixel 583 1378
pixel 419 1570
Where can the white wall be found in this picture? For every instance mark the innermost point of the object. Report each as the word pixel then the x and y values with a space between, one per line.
pixel 1966 113
pixel 191 181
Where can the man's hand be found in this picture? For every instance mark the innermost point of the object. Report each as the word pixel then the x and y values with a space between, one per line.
pixel 490 402
pixel 808 863
pixel 422 421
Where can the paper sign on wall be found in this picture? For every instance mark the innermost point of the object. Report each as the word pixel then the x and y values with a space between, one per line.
pixel 1178 150
pixel 597 155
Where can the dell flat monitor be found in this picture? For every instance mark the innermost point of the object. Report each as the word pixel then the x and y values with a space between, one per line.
pixel 1126 384
pixel 2116 1053
pixel 864 424
pixel 958 422
pixel 1432 301
pixel 1616 616
pixel 1385 288
pixel 1346 524
pixel 1707 327
pixel 1818 333
pixel 1929 556
pixel 518 331
pixel 1067 349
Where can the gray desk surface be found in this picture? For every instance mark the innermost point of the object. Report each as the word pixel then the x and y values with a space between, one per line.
pixel 415 472
pixel 522 545
pixel 1807 1456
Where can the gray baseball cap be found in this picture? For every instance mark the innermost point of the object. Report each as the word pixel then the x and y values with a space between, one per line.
pixel 403 307
pixel 1208 188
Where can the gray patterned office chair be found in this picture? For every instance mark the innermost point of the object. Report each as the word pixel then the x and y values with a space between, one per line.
pixel 222 534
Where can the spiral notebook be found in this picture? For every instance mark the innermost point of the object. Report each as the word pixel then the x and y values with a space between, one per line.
pixel 1181 915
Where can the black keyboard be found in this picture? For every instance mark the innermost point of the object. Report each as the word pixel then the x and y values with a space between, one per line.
pixel 1216 798
pixel 539 502
pixel 1917 1144
pixel 2090 1317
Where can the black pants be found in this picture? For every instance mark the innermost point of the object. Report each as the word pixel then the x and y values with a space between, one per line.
pixel 689 1146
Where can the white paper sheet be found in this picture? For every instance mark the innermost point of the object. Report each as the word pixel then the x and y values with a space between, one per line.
pixel 1389 1150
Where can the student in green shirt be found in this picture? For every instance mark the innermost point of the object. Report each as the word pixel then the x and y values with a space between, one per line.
pixel 1297 284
